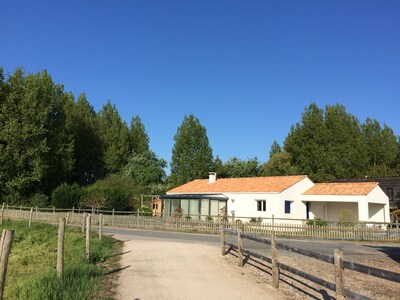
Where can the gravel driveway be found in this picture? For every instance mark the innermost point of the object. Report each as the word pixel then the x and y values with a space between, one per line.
pixel 156 268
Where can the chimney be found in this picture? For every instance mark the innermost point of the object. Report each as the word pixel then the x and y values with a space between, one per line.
pixel 212 177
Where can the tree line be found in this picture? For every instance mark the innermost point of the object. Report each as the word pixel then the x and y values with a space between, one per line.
pixel 57 147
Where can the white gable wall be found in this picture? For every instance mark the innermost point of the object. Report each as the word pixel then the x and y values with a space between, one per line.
pixel 298 208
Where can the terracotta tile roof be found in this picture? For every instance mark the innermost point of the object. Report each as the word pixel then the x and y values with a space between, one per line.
pixel 270 184
pixel 343 188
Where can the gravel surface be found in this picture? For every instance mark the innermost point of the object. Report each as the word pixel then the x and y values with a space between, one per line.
pixel 295 287
pixel 156 268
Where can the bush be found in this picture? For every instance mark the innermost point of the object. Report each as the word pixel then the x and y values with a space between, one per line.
pixel 110 193
pixel 39 200
pixel 67 196
pixel 317 222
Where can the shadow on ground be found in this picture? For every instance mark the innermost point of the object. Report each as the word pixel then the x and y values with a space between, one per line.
pixel 285 277
pixel 392 252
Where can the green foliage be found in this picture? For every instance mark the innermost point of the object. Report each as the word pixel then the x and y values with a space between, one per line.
pixel 327 144
pixel 36 148
pixel 235 167
pixel 83 124
pixel 317 222
pixel 31 273
pixel 347 218
pixel 209 218
pixel 280 164
pixel 145 168
pixel 275 149
pixel 79 282
pixel 115 138
pixel 332 144
pixel 256 220
pixel 192 155
pixel 113 192
pixel 67 195
pixel 39 200
pixel 138 138
pixel 382 149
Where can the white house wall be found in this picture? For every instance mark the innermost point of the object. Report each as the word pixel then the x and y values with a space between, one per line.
pixel 298 208
pixel 245 204
pixel 336 211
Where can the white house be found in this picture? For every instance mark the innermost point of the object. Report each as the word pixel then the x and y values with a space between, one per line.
pixel 291 197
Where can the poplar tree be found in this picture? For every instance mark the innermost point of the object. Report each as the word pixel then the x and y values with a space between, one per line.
pixel 381 143
pixel 138 138
pixel 115 138
pixel 191 155
pixel 37 149
pixel 83 124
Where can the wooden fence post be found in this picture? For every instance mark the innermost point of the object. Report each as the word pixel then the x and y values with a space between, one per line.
pixel 339 278
pixel 5 249
pixel 223 249
pixel 2 214
pixel 36 212
pixel 274 256
pixel 100 226
pixel 60 248
pixel 67 219
pixel 30 216
pixel 88 223
pixel 240 246
pixel 84 221
pixel 112 220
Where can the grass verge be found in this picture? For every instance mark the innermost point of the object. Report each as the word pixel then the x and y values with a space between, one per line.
pixel 31 270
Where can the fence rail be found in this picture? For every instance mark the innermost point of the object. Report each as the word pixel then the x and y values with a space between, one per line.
pixel 342 264
pixel 382 232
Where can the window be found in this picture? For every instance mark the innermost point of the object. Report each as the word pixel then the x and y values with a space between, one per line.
pixel 261 205
pixel 287 206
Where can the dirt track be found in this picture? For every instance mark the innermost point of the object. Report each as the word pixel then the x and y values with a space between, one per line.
pixel 163 269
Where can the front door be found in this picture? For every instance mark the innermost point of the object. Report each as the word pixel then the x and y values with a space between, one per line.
pixel 308 205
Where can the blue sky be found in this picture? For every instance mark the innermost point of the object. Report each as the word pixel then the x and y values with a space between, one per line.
pixel 246 69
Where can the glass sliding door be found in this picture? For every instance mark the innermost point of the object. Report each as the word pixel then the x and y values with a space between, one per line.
pixel 194 208
pixel 204 208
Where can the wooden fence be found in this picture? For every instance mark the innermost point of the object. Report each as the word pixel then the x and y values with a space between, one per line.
pixel 382 232
pixel 336 259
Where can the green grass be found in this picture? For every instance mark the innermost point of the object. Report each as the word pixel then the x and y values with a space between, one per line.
pixel 31 270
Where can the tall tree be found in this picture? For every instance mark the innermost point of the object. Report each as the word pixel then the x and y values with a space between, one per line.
pixel 280 164
pixel 145 168
pixel 275 148
pixel 138 138
pixel 327 144
pixel 115 138
pixel 381 143
pixel 236 167
pixel 37 150
pixel 346 152
pixel 83 124
pixel 305 143
pixel 192 155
